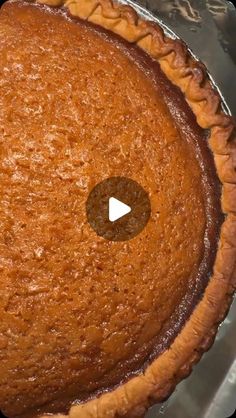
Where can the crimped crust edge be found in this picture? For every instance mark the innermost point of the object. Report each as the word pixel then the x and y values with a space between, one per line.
pixel 132 399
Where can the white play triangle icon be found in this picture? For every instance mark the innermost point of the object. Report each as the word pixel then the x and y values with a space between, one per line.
pixel 117 209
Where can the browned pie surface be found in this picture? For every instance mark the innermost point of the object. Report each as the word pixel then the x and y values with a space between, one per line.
pixel 78 314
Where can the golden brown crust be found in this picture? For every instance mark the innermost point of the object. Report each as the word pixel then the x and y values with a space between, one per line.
pixel 133 398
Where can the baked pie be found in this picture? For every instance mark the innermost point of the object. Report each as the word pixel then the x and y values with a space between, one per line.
pixel 90 327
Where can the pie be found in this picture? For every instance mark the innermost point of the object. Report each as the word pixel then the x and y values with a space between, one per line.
pixel 92 328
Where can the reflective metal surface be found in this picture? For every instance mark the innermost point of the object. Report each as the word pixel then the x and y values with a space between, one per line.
pixel 209 29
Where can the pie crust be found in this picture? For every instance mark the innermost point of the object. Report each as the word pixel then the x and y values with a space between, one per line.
pixel 133 398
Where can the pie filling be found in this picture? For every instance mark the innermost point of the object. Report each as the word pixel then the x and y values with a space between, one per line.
pixel 80 314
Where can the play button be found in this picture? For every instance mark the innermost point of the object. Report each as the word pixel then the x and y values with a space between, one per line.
pixel 118 208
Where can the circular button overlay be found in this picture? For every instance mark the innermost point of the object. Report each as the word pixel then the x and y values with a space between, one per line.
pixel 118 209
